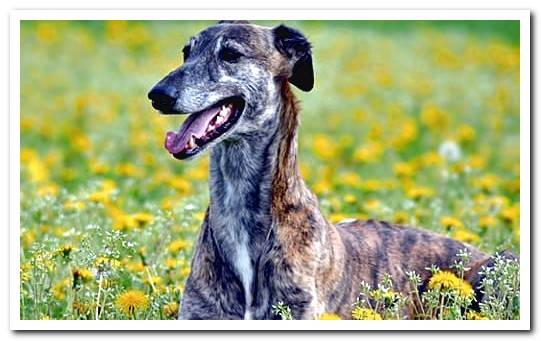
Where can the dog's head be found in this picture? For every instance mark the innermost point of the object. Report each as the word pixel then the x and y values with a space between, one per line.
pixel 229 83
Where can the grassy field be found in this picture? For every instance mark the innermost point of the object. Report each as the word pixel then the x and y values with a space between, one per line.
pixel 415 123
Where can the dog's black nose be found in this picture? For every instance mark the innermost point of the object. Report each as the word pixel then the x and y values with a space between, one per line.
pixel 163 98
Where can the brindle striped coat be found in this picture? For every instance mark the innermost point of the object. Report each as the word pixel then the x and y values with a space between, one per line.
pixel 305 261
pixel 264 239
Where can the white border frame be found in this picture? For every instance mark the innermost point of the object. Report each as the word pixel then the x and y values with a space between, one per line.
pixel 522 15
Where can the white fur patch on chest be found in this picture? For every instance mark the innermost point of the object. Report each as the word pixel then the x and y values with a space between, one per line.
pixel 240 259
pixel 244 269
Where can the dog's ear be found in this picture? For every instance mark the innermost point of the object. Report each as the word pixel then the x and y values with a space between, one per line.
pixel 294 45
pixel 233 22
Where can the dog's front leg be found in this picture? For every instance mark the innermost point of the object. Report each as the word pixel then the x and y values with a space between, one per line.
pixel 198 303
pixel 212 291
pixel 215 300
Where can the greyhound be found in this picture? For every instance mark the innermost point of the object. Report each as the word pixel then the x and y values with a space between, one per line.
pixel 264 239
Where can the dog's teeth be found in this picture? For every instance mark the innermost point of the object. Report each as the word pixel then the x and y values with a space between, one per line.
pixel 219 120
pixel 191 143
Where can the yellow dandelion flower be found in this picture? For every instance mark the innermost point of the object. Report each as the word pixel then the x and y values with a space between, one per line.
pixel 365 314
pixel 350 199
pixel 511 214
pixel 350 179
pixel 59 231
pixel 403 169
pixel 447 281
pixel 464 289
pixel 322 187
pixel 97 167
pixel 443 280
pixel 60 289
pixel 324 147
pixel 74 205
pixel 132 301
pixel 28 238
pixel 178 245
pixel 81 275
pixel 27 155
pixel 181 185
pixel 466 236
pixel 83 308
pixel 171 310
pixel 434 118
pixel 153 281
pixel 80 142
pixel 329 316
pixel 134 266
pixel 104 263
pixel 406 135
pixel 115 29
pixel 400 217
pixel 372 185
pixel 337 217
pixel 25 272
pixel 108 186
pixel 487 221
pixel 168 203
pixel 124 222
pixel 185 272
pixel 99 197
pixel 513 186
pixel 371 205
pixel 431 159
pixel 487 182
pixel 417 193
pixel 65 250
pixel 465 133
pixel 369 152
pixel 142 218
pixel 48 190
pixel 171 263
pixel 199 216
pixel 477 161
pixel 473 315
pixel 451 222
pixel 128 170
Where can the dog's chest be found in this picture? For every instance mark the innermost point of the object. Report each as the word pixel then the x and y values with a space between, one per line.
pixel 234 240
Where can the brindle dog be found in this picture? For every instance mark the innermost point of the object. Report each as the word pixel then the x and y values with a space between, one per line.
pixel 264 239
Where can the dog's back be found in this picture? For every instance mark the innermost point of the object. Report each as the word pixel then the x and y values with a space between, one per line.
pixel 376 248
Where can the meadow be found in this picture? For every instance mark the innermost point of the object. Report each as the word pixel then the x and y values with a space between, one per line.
pixel 414 123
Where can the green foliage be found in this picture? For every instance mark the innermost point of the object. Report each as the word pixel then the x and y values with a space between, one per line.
pixel 282 310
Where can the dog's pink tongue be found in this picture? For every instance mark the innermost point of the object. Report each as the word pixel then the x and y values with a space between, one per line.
pixel 195 124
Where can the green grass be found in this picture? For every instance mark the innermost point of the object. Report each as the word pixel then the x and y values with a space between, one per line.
pixel 393 101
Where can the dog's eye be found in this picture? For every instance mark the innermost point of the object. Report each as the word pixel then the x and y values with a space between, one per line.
pixel 230 55
pixel 186 52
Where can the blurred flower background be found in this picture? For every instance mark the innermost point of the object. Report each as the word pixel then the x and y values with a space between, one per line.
pixel 415 123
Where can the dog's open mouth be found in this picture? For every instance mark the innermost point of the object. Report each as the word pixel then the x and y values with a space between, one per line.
pixel 203 127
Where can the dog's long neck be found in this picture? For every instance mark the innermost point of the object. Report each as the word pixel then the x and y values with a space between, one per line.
pixel 254 181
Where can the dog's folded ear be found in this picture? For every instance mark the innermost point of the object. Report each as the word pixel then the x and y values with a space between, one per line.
pixel 294 45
